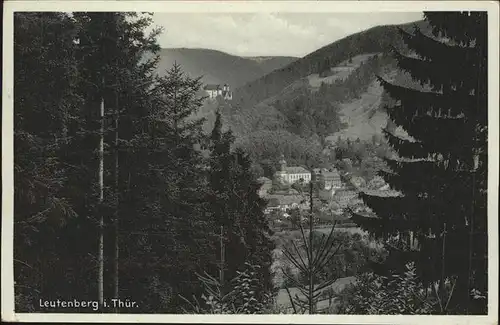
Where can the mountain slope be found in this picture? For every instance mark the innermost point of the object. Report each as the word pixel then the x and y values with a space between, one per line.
pixel 219 67
pixel 376 39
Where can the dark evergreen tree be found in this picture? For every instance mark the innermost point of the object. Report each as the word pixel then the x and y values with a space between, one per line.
pixel 114 74
pixel 190 246
pixel 66 65
pixel 157 176
pixel 441 168
pixel 254 224
pixel 237 209
pixel 45 103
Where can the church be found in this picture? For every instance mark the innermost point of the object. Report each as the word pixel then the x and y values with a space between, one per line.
pixel 290 175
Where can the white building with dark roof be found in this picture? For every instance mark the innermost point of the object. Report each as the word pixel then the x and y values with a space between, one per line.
pixel 213 91
pixel 294 174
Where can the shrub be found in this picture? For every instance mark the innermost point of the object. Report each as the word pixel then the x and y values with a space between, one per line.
pixel 376 295
pixel 243 296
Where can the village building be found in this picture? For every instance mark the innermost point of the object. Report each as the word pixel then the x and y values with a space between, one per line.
pixel 213 91
pixel 266 186
pixel 290 175
pixel 287 202
pixel 344 196
pixel 330 178
pixel 317 171
pixel 331 182
pixel 335 208
pixel 326 194
pixel 272 205
pixel 358 181
pixel 386 187
pixel 376 183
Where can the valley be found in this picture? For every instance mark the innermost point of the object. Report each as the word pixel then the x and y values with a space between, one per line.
pixel 216 67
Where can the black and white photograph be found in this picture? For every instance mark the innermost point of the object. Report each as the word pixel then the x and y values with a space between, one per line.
pixel 282 159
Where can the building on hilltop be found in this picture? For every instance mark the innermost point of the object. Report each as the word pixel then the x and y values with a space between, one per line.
pixel 290 175
pixel 213 91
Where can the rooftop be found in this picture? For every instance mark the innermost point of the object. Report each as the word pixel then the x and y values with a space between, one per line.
pixel 263 180
pixel 331 175
pixel 345 192
pixel 212 87
pixel 296 170
pixel 382 193
pixel 287 199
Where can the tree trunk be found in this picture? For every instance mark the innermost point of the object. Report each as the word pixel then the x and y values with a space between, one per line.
pixel 443 259
pixel 311 275
pixel 116 256
pixel 222 262
pixel 100 277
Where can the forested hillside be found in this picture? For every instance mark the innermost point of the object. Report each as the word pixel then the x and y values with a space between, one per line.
pixel 219 67
pixel 377 39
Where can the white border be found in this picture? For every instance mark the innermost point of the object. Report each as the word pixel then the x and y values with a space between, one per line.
pixel 7 293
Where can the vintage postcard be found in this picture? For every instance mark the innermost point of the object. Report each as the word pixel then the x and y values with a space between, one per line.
pixel 250 161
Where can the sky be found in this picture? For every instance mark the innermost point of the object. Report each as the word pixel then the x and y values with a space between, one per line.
pixel 267 34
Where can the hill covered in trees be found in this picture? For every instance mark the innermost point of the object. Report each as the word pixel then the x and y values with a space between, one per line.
pixel 376 39
pixel 219 67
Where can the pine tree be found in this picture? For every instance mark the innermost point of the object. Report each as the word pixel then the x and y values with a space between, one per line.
pixel 236 207
pixel 257 234
pixel 113 75
pixel 185 209
pixel 45 102
pixel 441 168
pixel 153 208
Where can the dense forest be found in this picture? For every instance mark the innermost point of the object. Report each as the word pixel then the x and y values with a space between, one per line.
pixel 112 199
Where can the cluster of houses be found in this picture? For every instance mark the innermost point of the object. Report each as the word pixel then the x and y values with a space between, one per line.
pixel 334 195
pixel 332 187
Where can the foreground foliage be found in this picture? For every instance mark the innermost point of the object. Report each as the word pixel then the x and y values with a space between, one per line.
pixel 377 295
pixel 442 159
pixel 241 297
